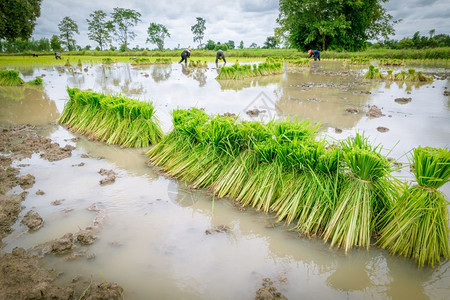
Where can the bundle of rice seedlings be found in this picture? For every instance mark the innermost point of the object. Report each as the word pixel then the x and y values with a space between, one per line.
pixel 359 60
pixel 36 81
pixel 10 78
pixel 422 77
pixel 237 71
pixel 300 62
pixel 67 64
pixel 412 76
pixel 197 64
pixel 400 76
pixel 363 197
pixel 390 75
pixel 141 61
pixel 164 61
pixel 113 119
pixel 373 73
pixel 107 60
pixel 416 225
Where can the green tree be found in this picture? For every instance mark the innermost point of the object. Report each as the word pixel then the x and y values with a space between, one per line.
pixel 68 28
pixel 241 45
pixel 99 28
pixel 199 30
pixel 230 44
pixel 270 42
pixel 210 45
pixel 124 19
pixel 156 35
pixel 55 43
pixel 18 18
pixel 253 45
pixel 309 24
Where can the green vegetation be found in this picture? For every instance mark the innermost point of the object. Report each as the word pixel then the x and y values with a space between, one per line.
pixel 12 78
pixel 373 73
pixel 163 61
pixel 197 64
pixel 416 225
pixel 68 28
pixel 412 76
pixel 141 61
pixel 237 71
pixel 112 119
pixel 36 81
pixel 18 18
pixel 156 35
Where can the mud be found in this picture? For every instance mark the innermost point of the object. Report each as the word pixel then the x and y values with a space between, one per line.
pixel 40 192
pixel 352 110
pixel 403 100
pixel 268 291
pixel 382 129
pixel 32 220
pixel 218 229
pixel 254 112
pixel 110 176
pixel 374 112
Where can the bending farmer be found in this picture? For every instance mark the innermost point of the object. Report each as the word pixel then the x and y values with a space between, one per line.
pixel 185 54
pixel 316 54
pixel 220 55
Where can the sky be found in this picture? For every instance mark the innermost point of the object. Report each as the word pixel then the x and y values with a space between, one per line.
pixel 251 21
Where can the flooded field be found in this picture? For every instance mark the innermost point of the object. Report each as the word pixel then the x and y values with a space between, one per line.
pixel 159 239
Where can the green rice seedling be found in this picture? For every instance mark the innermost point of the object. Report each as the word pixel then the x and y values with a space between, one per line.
pixel 359 60
pixel 422 77
pixel 164 61
pixel 363 198
pixel 373 73
pixel 390 75
pixel 392 62
pixel 412 76
pixel 198 64
pixel 36 81
pixel 10 78
pixel 237 71
pixel 107 60
pixel 79 63
pixel 300 62
pixel 67 64
pixel 141 61
pixel 113 119
pixel 416 225
pixel 400 76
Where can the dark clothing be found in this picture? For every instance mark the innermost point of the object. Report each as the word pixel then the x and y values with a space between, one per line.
pixel 57 55
pixel 316 54
pixel 184 55
pixel 221 55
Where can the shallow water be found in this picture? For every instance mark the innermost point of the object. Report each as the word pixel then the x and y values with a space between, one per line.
pixel 152 239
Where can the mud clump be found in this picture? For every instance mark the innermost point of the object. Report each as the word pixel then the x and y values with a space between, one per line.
pixel 352 110
pixel 32 220
pixel 85 237
pixel 374 112
pixel 10 207
pixel 402 100
pixel 254 112
pixel 22 278
pixel 54 152
pixel 382 129
pixel 218 229
pixel 337 130
pixel 63 244
pixel 40 192
pixel 104 290
pixel 268 291
pixel 26 181
pixel 110 176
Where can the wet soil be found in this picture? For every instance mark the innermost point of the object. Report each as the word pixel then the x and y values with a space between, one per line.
pixel 374 112
pixel 268 291
pixel 110 176
pixel 21 273
pixel 403 100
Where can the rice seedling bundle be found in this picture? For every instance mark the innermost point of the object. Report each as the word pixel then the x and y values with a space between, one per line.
pixel 373 73
pixel 416 225
pixel 198 64
pixel 164 61
pixel 141 61
pixel 363 197
pixel 359 60
pixel 10 78
pixel 300 62
pixel 422 77
pixel 400 76
pixel 113 119
pixel 107 60
pixel 36 81
pixel 390 75
pixel 237 71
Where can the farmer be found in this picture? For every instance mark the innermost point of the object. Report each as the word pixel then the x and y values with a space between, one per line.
pixel 185 54
pixel 57 55
pixel 316 54
pixel 220 55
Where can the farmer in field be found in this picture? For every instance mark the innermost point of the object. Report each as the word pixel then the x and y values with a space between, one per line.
pixel 57 55
pixel 220 55
pixel 185 54
pixel 316 54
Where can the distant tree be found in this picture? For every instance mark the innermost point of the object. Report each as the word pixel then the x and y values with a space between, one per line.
pixel 230 44
pixel 432 32
pixel 99 28
pixel 156 35
pixel 270 42
pixel 210 45
pixel 253 45
pixel 199 30
pixel 68 28
pixel 124 19
pixel 340 24
pixel 241 45
pixel 55 43
pixel 18 18
pixel 43 45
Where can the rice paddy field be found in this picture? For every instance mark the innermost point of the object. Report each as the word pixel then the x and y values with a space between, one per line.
pixel 323 180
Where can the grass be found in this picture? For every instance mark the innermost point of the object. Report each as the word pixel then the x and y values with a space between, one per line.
pixel 112 119
pixel 10 78
pixel 238 71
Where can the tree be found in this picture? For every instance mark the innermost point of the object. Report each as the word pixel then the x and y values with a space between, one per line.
pixel 309 24
pixel 156 34
pixel 230 44
pixel 241 45
pixel 270 42
pixel 55 43
pixel 124 19
pixel 18 18
pixel 99 29
pixel 68 28
pixel 253 45
pixel 210 45
pixel 199 31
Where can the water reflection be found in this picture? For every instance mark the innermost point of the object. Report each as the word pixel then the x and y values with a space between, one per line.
pixel 237 85
pixel 161 72
pixel 118 77
pixel 26 105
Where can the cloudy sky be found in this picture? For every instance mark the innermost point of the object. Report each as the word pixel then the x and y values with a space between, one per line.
pixel 249 20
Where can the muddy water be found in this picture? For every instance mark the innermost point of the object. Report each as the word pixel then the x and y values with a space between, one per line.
pixel 152 238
